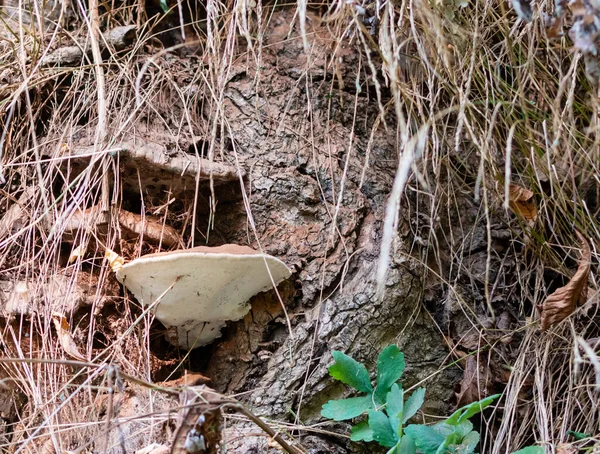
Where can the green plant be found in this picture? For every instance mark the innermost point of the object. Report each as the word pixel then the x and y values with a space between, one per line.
pixel 387 411
pixel 531 450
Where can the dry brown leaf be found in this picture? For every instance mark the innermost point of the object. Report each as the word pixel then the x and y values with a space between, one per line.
pixel 64 336
pixel 115 261
pixel 521 201
pixel 564 300
pixel 554 27
pixel 578 8
pixel 188 379
pixel 476 383
pixel 78 252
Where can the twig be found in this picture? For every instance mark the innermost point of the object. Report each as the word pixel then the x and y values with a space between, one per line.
pixel 264 426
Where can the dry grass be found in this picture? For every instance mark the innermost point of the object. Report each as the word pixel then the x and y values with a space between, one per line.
pixel 477 98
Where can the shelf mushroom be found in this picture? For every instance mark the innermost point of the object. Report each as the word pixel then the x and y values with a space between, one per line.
pixel 196 291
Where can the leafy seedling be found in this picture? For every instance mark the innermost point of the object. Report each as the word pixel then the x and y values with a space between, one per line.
pixel 384 404
pixel 455 434
pixel 531 450
pixel 387 411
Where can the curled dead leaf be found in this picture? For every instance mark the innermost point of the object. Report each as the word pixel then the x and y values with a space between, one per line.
pixel 64 336
pixel 521 202
pixel 76 253
pixel 476 383
pixel 560 304
pixel 554 27
pixel 579 9
pixel 187 379
pixel 115 261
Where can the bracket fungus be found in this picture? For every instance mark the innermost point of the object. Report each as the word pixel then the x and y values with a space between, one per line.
pixel 152 168
pixel 196 291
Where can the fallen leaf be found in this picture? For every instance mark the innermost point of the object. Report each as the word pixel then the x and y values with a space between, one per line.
pixel 521 202
pixel 115 261
pixel 79 251
pixel 560 304
pixel 578 8
pixel 188 379
pixel 476 383
pixel 17 216
pixel 64 336
pixel 554 27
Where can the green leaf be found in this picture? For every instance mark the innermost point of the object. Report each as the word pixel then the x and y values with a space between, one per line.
pixel 350 372
pixel 444 429
pixel 426 438
pixel 406 445
pixel 361 432
pixel 531 450
pixel 342 409
pixel 442 448
pixel 451 440
pixel 468 443
pixel 470 410
pixel 578 435
pixel 164 6
pixel 413 403
pixel 395 407
pixel 390 365
pixel 382 430
pixel 463 428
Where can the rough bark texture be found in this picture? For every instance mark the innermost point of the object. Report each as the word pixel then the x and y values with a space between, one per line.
pixel 301 137
pixel 293 137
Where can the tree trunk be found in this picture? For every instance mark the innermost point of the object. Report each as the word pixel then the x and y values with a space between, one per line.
pixel 303 140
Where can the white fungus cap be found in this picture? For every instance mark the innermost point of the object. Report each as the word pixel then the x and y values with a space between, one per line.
pixel 210 286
